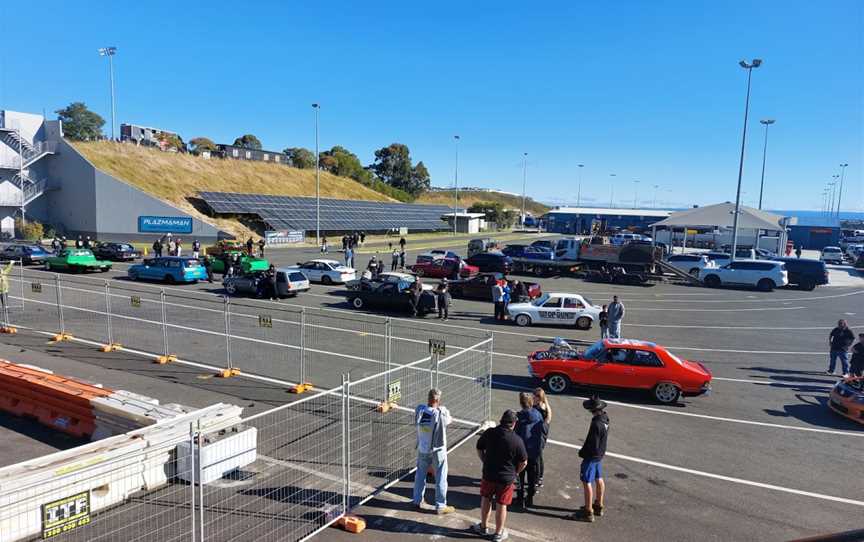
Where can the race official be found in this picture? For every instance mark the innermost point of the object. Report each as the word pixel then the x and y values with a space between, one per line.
pixel 431 421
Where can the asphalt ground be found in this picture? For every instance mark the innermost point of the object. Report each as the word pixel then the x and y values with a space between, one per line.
pixel 761 458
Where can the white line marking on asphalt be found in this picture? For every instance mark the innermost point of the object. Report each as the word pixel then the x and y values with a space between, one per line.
pixel 703 416
pixel 725 478
pixel 761 309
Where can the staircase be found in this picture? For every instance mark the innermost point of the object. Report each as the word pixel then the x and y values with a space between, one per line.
pixel 30 152
pixel 30 190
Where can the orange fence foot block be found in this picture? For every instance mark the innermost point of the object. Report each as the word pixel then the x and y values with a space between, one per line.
pixel 61 337
pixel 113 347
pixel 162 360
pixel 9 329
pixel 352 524
pixel 228 373
pixel 301 388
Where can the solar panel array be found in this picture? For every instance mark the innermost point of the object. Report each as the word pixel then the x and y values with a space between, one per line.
pixel 294 213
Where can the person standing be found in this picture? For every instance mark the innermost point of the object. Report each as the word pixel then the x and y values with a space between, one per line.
pixel 178 247
pixel 443 295
pixel 592 452
pixel 798 251
pixel 271 283
pixel 324 245
pixel 498 300
pixel 88 244
pixel 344 243
pixel 249 245
pixel 196 249
pixel 505 286
pixel 380 266
pixel 55 245
pixel 615 314
pixel 431 421
pixel 530 428
pixel 541 403
pixel 172 246
pixel 503 456
pixel 5 271
pixel 520 293
pixel 362 238
pixel 208 268
pixel 261 244
pixel 603 318
pixel 416 297
pixel 839 341
pixel 78 242
pixel 402 259
pixel 402 244
pixel 394 260
pixel 856 364
pixel 349 257
pixel 157 248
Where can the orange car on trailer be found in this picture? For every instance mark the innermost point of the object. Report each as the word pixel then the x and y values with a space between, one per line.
pixel 621 363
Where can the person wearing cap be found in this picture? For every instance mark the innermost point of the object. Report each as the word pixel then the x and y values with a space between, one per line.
pixel 442 292
pixel 431 421
pixel 592 452
pixel 503 455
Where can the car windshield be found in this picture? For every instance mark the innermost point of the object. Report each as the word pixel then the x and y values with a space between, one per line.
pixel 125 247
pixel 588 302
pixel 296 277
pixel 540 300
pixel 595 351
pixel 80 253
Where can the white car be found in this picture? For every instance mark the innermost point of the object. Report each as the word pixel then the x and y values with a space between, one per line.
pixel 624 238
pixel 832 255
pixel 690 263
pixel 404 279
pixel 325 271
pixel 556 308
pixel 762 274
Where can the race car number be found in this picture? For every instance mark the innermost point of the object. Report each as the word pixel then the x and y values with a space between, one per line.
pixel 552 315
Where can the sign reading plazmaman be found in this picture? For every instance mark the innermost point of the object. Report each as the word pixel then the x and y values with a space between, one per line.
pixel 164 224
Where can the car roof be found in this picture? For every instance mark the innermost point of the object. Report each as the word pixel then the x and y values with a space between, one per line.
pixel 831 248
pixel 562 294
pixel 645 345
pixel 331 262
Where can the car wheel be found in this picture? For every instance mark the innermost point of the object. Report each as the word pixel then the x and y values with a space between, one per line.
pixel 231 288
pixel 694 272
pixel 326 280
pixel 169 279
pixel 712 281
pixel 523 320
pixel 419 272
pixel 557 383
pixel 808 285
pixel 357 302
pixel 666 393
pixel 104 269
pixel 765 285
pixel 583 323
pixel 132 275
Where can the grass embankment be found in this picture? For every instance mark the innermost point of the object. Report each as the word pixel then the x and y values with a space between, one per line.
pixel 175 177
pixel 470 197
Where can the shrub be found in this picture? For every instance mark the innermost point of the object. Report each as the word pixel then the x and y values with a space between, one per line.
pixel 29 230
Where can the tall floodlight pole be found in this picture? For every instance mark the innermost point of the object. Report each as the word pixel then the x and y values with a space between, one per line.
pixel 317 108
pixel 749 67
pixel 656 186
pixel 833 193
pixel 524 180
pixel 840 195
pixel 635 193
pixel 766 123
pixel 456 185
pixel 21 179
pixel 110 52
pixel 579 193
pixel 612 191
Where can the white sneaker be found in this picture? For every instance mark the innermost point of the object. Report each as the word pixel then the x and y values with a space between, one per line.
pixel 499 537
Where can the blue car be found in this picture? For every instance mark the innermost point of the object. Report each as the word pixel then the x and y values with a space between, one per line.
pixel 528 251
pixel 170 269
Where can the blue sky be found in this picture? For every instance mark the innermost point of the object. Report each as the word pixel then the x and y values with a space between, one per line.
pixel 650 91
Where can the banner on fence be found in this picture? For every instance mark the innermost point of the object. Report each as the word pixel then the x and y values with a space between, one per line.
pixel 284 237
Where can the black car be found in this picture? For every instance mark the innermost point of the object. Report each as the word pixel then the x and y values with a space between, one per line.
pixel 117 252
pixel 492 262
pixel 389 297
pixel 805 273
pixel 480 287
pixel 28 254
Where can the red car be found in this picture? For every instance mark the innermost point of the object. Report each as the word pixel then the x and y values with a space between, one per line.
pixel 480 287
pixel 621 363
pixel 441 268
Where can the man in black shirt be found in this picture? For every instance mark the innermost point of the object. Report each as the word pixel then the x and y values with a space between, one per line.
pixel 592 452
pixel 504 456
pixel 856 366
pixel 839 341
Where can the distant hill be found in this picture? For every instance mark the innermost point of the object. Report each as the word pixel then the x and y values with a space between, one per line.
pixel 469 197
pixel 175 177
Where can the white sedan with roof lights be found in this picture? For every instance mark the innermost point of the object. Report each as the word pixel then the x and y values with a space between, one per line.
pixel 556 309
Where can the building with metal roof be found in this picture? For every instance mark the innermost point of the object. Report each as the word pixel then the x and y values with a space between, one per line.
pixel 581 220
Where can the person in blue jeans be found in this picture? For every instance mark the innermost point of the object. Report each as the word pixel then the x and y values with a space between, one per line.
pixel 431 421
pixel 839 341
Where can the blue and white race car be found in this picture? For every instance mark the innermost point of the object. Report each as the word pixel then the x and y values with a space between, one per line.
pixel 556 309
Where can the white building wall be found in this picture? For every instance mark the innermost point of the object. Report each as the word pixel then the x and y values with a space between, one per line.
pixel 28 124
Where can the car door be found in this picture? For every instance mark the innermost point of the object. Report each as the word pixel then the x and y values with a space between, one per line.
pixel 146 269
pixel 616 370
pixel 646 370
pixel 572 308
pixel 311 270
pixel 548 313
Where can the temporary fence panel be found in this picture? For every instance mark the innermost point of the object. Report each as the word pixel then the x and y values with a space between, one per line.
pixel 336 343
pixel 295 486
pixel 138 319
pixel 266 340
pixel 195 329
pixel 34 304
pixel 465 374
pixel 85 310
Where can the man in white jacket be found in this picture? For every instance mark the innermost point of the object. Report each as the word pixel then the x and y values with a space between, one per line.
pixel 431 421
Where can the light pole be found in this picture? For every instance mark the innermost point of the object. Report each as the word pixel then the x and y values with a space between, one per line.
pixel 840 196
pixel 524 179
pixel 635 193
pixel 612 191
pixel 830 208
pixel 767 123
pixel 749 67
pixel 110 52
pixel 656 186
pixel 824 200
pixel 456 185
pixel 834 191
pixel 317 108
pixel 579 193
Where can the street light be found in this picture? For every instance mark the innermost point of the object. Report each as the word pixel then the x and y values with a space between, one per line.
pixel 456 185
pixel 110 52
pixel 524 179
pixel 749 67
pixel 579 193
pixel 612 191
pixel 831 189
pixel 317 108
pixel 842 177
pixel 635 192
pixel 834 191
pixel 767 123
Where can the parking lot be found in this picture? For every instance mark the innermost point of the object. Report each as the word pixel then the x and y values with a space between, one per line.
pixel 761 458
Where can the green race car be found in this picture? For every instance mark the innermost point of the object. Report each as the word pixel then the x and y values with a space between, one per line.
pixel 248 264
pixel 76 260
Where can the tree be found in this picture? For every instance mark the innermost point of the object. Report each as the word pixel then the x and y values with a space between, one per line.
pixel 494 212
pixel 172 141
pixel 300 158
pixel 393 166
pixel 202 144
pixel 79 123
pixel 340 161
pixel 248 141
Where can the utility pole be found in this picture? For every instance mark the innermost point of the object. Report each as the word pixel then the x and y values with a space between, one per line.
pixel 749 67
pixel 579 193
pixel 110 52
pixel 612 191
pixel 524 181
pixel 766 123
pixel 317 108
pixel 842 177
pixel 456 185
